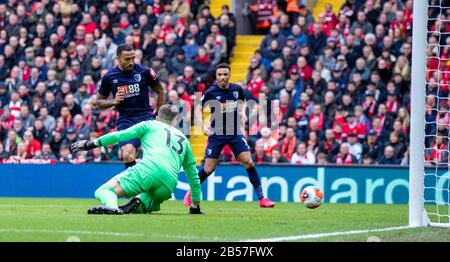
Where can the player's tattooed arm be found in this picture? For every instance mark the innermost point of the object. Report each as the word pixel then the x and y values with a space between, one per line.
pixel 242 114
pixel 159 90
pixel 104 103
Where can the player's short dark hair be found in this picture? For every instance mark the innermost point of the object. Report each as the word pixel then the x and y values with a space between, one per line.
pixel 123 47
pixel 223 65
pixel 167 112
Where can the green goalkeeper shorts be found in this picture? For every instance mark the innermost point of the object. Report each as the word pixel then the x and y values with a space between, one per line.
pixel 153 191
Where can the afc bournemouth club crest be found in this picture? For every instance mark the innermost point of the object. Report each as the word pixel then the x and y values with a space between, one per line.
pixel 137 77
pixel 208 152
pixel 236 94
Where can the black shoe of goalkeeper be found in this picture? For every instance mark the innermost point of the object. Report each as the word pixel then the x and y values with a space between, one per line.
pixel 102 210
pixel 132 206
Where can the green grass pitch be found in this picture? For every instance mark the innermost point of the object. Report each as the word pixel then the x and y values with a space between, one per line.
pixel 59 220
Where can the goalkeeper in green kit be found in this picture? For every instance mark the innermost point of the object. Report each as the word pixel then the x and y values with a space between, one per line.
pixel 155 177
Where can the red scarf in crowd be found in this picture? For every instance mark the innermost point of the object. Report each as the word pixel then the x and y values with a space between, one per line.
pixel 371 108
pixel 288 147
pixel 382 118
pixel 328 146
pixel 392 106
pixel 347 161
pixel 87 120
pixel 217 41
pixel 318 118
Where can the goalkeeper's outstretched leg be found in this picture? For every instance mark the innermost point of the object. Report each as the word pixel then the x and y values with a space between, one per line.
pixel 108 194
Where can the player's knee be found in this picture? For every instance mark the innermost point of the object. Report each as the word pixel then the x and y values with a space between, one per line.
pixel 248 163
pixel 208 170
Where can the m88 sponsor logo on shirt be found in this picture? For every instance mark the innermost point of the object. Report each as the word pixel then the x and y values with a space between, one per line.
pixel 129 90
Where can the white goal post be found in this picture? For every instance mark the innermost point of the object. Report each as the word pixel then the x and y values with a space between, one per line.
pixel 428 180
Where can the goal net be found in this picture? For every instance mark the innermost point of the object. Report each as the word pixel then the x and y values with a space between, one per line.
pixel 430 115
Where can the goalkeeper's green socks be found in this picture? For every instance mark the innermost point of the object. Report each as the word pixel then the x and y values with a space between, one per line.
pixel 107 196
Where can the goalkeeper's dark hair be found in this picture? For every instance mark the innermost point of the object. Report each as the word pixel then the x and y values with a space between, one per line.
pixel 167 113
pixel 123 47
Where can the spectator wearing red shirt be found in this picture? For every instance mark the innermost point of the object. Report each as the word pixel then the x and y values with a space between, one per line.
pixel 330 17
pixel 7 119
pixel 439 152
pixel 303 69
pixel 167 26
pixel 343 26
pixel 404 24
pixel 33 146
pixel 89 26
pixel 255 84
pixel 352 126
pixel 181 90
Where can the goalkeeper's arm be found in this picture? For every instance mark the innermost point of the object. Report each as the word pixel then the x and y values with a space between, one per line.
pixel 136 131
pixel 193 180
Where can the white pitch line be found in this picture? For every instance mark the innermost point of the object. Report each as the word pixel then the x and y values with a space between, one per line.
pixel 101 233
pixel 31 205
pixel 79 232
pixel 320 235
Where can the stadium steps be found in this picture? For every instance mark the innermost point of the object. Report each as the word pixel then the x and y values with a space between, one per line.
pixel 198 140
pixel 216 6
pixel 246 45
pixel 320 6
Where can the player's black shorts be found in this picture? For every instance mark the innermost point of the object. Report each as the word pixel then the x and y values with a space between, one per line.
pixel 216 143
pixel 125 123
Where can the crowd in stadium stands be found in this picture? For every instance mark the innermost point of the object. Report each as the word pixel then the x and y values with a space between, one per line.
pixel 343 81
pixel 53 54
